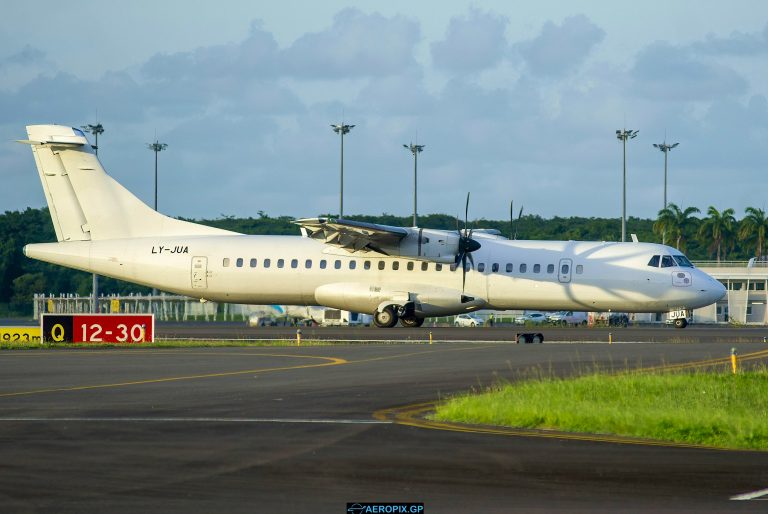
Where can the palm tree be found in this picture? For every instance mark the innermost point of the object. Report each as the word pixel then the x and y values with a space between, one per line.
pixel 717 227
pixel 675 222
pixel 753 228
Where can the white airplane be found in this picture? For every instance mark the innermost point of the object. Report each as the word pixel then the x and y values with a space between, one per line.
pixel 405 274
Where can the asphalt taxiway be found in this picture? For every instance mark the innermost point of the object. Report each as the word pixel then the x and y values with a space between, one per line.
pixel 308 429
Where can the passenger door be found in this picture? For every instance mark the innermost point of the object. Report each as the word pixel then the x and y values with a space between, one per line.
pixel 199 272
pixel 564 271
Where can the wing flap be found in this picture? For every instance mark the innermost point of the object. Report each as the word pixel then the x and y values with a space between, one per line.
pixel 353 236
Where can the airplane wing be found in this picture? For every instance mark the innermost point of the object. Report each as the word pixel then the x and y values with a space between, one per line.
pixel 353 236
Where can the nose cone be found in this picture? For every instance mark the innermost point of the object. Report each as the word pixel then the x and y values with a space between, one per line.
pixel 710 289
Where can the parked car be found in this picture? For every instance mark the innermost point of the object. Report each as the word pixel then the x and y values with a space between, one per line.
pixel 534 318
pixel 568 318
pixel 467 320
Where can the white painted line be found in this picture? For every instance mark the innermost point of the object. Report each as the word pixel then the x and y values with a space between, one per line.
pixel 203 420
pixel 751 496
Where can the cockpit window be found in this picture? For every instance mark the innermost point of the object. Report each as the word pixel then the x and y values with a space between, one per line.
pixel 683 261
pixel 667 261
pixel 654 262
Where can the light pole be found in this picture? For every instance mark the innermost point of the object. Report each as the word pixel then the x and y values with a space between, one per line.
pixel 623 135
pixel 95 130
pixel 664 147
pixel 342 129
pixel 415 150
pixel 157 148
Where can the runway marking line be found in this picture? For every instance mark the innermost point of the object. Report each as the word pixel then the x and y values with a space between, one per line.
pixel 333 361
pixel 199 420
pixel 414 415
pixel 754 495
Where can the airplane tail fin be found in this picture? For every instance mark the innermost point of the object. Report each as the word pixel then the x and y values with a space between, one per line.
pixel 85 203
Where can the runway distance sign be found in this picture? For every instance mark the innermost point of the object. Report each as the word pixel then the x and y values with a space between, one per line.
pixel 98 328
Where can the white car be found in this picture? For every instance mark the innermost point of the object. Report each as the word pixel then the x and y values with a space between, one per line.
pixel 568 318
pixel 467 320
pixel 534 318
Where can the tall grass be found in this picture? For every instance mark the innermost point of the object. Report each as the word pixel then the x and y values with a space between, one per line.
pixel 713 409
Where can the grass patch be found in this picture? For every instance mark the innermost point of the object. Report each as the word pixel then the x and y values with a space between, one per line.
pixel 716 409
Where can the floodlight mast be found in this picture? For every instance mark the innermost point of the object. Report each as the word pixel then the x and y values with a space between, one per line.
pixel 664 147
pixel 415 150
pixel 623 135
pixel 156 147
pixel 342 129
pixel 95 130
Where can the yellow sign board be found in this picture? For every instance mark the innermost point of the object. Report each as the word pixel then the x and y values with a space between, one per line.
pixel 19 334
pixel 115 306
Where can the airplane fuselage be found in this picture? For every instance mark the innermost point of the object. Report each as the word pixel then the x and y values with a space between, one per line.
pixel 293 270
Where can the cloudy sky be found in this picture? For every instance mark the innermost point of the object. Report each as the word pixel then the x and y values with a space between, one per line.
pixel 512 100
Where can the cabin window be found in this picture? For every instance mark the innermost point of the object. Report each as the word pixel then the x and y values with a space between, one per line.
pixel 438 267
pixel 294 263
pixel 481 267
pixel 239 262
pixel 267 263
pixel 537 268
pixel 509 267
pixel 308 263
pixel 579 269
pixel 468 266
pixel 564 269
pixel 667 261
pixel 409 266
pixel 395 265
pixel 225 262
pixel 550 268
pixel 654 262
pixel 495 267
pixel 352 264
pixel 523 267
pixel 253 263
pixel 323 263
pixel 337 264
pixel 424 266
pixel 454 266
pixel 280 263
pixel 381 265
pixel 367 265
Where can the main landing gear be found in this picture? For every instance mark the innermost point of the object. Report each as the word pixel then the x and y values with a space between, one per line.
pixel 389 316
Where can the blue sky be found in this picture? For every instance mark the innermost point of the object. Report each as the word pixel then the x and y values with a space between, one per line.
pixel 512 102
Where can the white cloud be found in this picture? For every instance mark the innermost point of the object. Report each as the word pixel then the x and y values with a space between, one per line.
pixel 560 49
pixel 473 42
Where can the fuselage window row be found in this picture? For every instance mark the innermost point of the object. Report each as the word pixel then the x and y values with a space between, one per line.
pixel 656 261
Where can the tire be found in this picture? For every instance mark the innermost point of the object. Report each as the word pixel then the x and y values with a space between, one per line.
pixel 537 339
pixel 681 323
pixel 412 322
pixel 564 323
pixel 385 318
pixel 472 324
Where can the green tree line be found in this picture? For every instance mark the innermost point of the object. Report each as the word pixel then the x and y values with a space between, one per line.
pixel 718 235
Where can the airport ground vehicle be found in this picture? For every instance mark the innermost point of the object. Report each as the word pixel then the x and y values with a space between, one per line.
pixel 532 317
pixel 568 318
pixel 336 317
pixel 467 320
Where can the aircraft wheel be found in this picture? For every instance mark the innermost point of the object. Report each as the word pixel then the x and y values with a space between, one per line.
pixel 413 322
pixel 537 339
pixel 681 323
pixel 385 318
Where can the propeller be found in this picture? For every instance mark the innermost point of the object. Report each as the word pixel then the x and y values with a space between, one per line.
pixel 467 245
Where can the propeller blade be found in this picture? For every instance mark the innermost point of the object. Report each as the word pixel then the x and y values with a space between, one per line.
pixel 463 274
pixel 511 218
